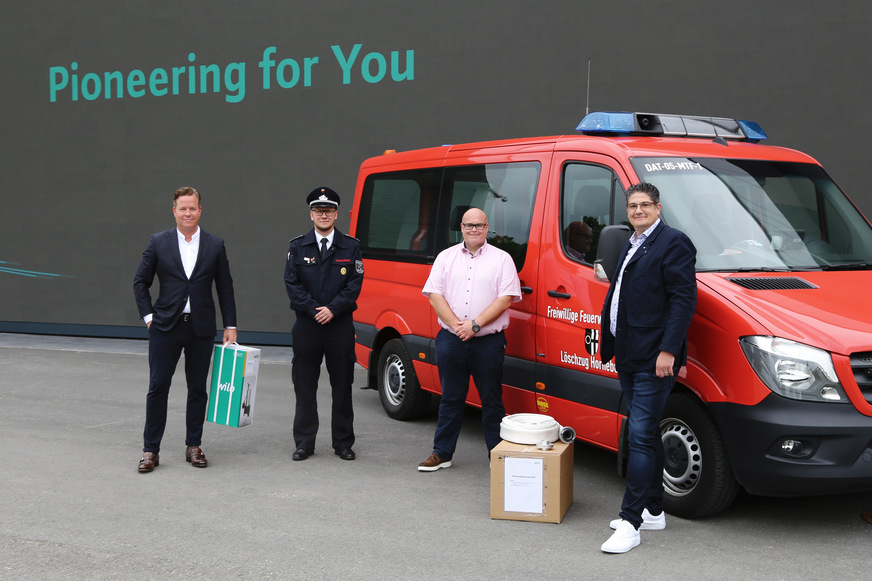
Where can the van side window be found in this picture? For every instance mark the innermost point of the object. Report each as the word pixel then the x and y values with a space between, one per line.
pixel 505 192
pixel 586 208
pixel 396 214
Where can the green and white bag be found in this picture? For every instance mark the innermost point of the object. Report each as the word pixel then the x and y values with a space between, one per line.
pixel 234 379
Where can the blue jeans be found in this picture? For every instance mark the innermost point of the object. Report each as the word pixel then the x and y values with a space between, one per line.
pixel 646 396
pixel 482 358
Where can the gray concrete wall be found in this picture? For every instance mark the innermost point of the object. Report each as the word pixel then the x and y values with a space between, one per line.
pixel 86 178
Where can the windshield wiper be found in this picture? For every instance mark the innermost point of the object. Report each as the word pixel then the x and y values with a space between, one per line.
pixel 848 266
pixel 762 269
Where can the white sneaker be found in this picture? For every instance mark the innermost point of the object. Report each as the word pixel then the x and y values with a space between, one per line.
pixel 623 539
pixel 649 521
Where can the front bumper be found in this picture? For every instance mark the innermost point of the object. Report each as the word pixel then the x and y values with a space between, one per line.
pixel 835 455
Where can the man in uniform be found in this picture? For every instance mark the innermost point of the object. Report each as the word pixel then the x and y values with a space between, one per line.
pixel 323 276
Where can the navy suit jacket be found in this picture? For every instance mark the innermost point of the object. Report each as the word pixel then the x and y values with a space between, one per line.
pixel 162 258
pixel 656 303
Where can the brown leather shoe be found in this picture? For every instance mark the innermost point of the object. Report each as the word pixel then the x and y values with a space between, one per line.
pixel 195 456
pixel 148 461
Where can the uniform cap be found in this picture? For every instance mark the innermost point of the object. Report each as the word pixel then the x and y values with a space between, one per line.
pixel 323 197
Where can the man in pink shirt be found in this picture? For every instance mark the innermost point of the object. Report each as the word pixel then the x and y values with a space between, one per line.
pixel 470 286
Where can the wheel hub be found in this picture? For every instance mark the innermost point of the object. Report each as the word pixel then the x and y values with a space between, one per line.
pixel 683 464
pixel 395 380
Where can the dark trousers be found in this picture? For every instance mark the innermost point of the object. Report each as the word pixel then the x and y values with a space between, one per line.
pixel 646 396
pixel 482 358
pixel 164 350
pixel 334 343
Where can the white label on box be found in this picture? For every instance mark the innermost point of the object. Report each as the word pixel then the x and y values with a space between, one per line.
pixel 524 484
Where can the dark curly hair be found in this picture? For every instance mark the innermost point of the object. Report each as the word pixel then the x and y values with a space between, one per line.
pixel 645 188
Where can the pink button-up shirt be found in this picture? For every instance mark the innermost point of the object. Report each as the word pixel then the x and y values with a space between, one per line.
pixel 470 283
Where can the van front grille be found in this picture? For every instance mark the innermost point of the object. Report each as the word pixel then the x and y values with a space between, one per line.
pixel 861 364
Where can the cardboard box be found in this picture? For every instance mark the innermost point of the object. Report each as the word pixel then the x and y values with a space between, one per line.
pixel 233 385
pixel 531 484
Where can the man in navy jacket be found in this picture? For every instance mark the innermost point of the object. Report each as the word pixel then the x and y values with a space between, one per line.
pixel 323 278
pixel 645 319
pixel 187 262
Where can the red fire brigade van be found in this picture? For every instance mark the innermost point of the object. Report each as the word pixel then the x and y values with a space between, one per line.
pixel 776 396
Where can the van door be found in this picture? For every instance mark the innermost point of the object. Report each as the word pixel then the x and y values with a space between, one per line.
pixel 585 196
pixel 507 192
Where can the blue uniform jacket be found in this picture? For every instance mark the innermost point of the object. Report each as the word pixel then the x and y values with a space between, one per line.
pixel 334 282
pixel 656 304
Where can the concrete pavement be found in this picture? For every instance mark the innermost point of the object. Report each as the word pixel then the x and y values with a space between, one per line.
pixel 74 506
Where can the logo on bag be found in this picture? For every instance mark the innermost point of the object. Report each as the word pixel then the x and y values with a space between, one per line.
pixel 226 387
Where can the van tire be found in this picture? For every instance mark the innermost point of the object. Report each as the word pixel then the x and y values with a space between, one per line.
pixel 697 478
pixel 398 389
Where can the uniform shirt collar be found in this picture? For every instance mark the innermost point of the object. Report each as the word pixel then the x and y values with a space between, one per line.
pixel 330 237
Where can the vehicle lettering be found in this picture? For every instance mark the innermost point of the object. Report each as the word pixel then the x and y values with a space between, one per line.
pixel 673 166
pixel 587 362
pixel 567 314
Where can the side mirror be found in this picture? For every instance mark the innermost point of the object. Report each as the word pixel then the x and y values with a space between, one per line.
pixel 611 242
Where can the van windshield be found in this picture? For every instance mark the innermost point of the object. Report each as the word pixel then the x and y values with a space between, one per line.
pixel 759 215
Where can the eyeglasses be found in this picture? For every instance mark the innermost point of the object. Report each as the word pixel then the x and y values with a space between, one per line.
pixel 323 211
pixel 644 205
pixel 469 226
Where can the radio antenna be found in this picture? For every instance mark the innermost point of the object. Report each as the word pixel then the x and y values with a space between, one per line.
pixel 587 97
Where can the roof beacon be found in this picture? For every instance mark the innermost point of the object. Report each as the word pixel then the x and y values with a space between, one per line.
pixel 627 123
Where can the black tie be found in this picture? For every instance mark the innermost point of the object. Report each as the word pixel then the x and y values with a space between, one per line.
pixel 323 247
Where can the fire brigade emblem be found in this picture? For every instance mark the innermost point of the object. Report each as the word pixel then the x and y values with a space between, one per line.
pixel 591 341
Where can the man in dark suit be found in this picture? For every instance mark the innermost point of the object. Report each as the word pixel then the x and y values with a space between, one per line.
pixel 187 261
pixel 645 318
pixel 323 277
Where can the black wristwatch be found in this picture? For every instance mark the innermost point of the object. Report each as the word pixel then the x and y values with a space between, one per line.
pixel 475 327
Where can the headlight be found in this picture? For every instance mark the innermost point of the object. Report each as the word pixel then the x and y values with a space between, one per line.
pixel 794 370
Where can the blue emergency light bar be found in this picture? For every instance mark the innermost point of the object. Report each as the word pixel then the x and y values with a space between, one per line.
pixel 627 123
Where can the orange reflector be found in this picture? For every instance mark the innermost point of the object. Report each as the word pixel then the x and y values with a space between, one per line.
pixel 540 385
pixel 422 355
pixel 389 151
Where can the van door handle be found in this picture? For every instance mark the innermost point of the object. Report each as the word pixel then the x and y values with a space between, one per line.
pixel 526 290
pixel 559 295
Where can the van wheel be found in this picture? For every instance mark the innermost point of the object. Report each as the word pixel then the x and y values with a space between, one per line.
pixel 697 478
pixel 398 388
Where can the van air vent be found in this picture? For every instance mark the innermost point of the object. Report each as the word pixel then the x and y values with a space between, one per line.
pixel 772 283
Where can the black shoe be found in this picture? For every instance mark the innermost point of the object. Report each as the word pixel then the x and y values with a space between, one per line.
pixel 345 453
pixel 302 454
